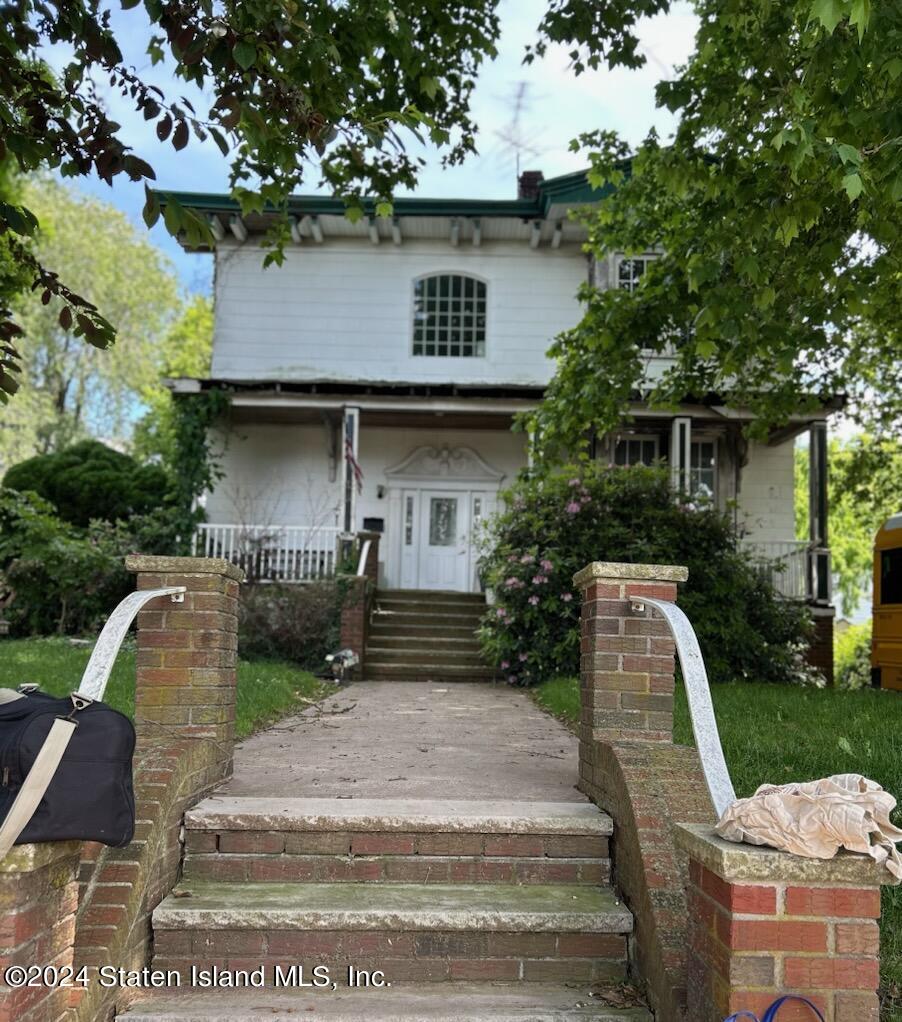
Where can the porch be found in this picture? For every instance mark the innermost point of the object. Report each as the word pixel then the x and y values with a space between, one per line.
pixel 309 553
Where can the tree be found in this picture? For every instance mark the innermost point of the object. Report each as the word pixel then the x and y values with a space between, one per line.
pixel 73 389
pixel 775 214
pixel 185 351
pixel 290 83
pixel 865 476
pixel 90 481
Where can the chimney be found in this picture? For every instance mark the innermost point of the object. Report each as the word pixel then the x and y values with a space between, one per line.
pixel 528 184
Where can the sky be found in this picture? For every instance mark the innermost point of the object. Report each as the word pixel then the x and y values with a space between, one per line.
pixel 557 106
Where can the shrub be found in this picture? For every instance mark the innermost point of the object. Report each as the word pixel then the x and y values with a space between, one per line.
pixel 90 481
pixel 852 656
pixel 555 524
pixel 63 579
pixel 290 622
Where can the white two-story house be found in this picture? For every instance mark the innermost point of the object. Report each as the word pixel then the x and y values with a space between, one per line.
pixel 374 378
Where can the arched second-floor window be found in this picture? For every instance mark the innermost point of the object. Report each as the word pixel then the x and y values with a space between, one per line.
pixel 449 315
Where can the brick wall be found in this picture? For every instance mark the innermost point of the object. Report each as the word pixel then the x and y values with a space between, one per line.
pixel 765 923
pixel 38 898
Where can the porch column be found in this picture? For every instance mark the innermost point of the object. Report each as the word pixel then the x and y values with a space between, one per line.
pixel 351 476
pixel 819 574
pixel 680 452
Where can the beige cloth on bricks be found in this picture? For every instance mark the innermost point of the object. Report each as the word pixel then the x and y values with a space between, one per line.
pixel 818 818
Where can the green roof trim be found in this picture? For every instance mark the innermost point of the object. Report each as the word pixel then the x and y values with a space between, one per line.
pixel 569 189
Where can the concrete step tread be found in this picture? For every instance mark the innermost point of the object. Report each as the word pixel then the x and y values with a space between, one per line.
pixel 509 908
pixel 425 669
pixel 453 1002
pixel 419 641
pixel 407 816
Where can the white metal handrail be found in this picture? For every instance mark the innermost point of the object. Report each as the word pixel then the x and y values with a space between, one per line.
pixel 273 553
pixel 97 671
pixel 698 693
pixel 364 554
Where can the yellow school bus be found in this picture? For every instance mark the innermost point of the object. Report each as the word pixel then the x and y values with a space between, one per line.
pixel 886 643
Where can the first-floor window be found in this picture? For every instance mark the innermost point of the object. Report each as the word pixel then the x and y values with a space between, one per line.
pixel 703 468
pixel 640 450
pixel 449 311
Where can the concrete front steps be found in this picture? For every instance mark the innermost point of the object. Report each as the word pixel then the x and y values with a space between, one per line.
pixel 501 897
pixel 451 1002
pixel 421 635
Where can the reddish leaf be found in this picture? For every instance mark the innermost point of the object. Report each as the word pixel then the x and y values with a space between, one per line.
pixel 180 138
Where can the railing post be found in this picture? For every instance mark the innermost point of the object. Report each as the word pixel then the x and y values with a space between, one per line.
pixel 627 665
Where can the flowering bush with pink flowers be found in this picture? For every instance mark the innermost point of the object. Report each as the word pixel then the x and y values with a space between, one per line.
pixel 555 523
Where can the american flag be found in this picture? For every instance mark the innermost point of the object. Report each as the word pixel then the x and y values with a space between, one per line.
pixel 354 464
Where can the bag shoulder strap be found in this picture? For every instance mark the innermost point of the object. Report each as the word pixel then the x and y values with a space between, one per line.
pixel 36 783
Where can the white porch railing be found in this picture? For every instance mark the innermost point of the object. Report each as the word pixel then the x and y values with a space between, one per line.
pixel 785 563
pixel 272 553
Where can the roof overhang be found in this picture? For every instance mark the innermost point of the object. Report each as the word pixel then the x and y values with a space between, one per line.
pixel 540 221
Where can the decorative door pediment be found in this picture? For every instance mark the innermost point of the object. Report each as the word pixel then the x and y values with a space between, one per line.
pixel 445 462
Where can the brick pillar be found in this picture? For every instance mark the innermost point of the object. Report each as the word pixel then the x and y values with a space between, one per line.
pixel 355 609
pixel 820 652
pixel 764 923
pixel 354 614
pixel 626 663
pixel 38 901
pixel 187 652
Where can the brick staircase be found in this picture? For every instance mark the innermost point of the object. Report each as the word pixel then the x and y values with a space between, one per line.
pixel 419 635
pixel 495 911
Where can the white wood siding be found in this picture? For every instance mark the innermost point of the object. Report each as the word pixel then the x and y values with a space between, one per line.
pixel 767 493
pixel 342 311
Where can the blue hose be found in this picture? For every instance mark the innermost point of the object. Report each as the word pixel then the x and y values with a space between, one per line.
pixel 771 1014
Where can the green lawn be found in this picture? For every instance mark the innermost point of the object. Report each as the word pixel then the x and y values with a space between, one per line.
pixel 267 689
pixel 779 733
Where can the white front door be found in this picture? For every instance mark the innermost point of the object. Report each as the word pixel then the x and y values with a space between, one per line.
pixel 444 533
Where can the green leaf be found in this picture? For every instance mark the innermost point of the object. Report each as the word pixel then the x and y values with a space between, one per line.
pixel 853 185
pixel 429 86
pixel 151 211
pixel 828 13
pixel 127 5
pixel 384 209
pixel 172 216
pixel 245 53
pixel 706 349
pixel 19 219
pixel 849 154
pixel 860 16
pixel 789 230
pixel 896 190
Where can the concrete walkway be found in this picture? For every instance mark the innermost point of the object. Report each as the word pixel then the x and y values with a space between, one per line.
pixel 409 740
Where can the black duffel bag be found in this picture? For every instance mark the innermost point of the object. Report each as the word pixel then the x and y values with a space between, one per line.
pixel 90 795
pixel 66 764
